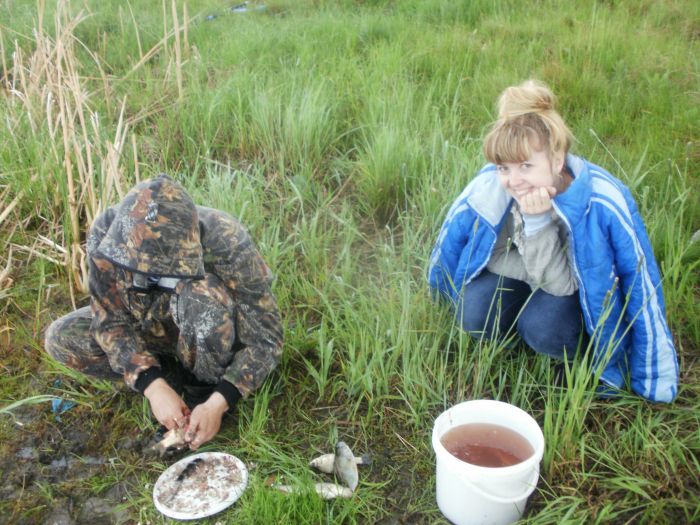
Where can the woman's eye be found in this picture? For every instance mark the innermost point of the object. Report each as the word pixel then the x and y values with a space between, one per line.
pixel 526 165
pixel 501 168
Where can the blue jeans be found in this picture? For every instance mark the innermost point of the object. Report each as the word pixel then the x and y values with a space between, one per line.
pixel 491 306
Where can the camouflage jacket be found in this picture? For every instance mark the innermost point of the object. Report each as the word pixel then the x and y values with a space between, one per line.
pixel 132 329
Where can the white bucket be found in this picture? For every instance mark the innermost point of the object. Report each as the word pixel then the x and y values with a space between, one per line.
pixel 469 494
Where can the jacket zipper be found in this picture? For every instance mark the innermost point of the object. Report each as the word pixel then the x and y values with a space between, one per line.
pixel 576 270
pixel 486 261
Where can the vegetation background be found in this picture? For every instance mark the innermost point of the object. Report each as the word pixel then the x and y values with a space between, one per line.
pixel 339 132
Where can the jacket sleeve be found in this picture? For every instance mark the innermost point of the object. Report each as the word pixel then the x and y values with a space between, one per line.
pixel 446 258
pixel 653 362
pixel 258 324
pixel 112 326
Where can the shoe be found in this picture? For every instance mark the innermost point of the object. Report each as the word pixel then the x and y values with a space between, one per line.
pixel 559 375
pixel 606 391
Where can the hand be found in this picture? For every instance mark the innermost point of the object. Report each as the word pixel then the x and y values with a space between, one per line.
pixel 167 407
pixel 537 201
pixel 205 420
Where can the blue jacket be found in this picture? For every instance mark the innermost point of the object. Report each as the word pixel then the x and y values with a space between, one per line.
pixel 618 279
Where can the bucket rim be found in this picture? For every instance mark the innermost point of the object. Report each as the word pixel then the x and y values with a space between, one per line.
pixel 532 461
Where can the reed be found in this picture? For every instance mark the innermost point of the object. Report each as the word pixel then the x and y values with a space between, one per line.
pixel 49 94
pixel 52 91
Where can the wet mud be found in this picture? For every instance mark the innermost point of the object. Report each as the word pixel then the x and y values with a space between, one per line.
pixel 54 471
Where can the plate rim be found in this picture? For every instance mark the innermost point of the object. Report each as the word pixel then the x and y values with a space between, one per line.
pixel 178 515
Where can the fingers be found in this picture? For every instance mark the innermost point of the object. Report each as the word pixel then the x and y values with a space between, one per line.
pixel 191 433
pixel 173 421
pixel 204 425
pixel 196 442
pixel 537 201
pixel 170 412
pixel 197 435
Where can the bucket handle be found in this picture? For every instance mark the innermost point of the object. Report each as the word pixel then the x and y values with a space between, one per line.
pixel 498 499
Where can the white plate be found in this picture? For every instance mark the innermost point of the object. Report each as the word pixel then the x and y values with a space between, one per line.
pixel 215 481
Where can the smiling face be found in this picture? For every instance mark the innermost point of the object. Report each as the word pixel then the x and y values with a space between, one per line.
pixel 537 171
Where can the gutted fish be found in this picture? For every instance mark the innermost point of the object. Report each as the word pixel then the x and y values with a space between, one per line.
pixel 325 490
pixel 324 463
pixel 344 465
pixel 173 439
pixel 331 490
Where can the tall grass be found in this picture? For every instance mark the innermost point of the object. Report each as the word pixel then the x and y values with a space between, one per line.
pixel 58 137
pixel 339 133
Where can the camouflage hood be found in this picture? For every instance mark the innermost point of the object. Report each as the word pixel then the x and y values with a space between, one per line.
pixel 155 231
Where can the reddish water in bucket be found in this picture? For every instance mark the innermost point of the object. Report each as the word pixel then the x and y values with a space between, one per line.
pixel 486 445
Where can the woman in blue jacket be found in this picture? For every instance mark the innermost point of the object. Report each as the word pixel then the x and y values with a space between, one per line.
pixel 551 246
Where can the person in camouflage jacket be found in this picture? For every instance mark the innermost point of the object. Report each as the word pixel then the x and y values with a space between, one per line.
pixel 172 282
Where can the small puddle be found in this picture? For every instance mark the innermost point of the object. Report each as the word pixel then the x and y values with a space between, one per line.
pixel 27 453
pixel 65 462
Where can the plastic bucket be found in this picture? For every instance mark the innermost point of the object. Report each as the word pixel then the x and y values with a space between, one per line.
pixel 470 494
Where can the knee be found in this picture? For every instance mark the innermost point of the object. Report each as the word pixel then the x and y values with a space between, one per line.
pixel 548 333
pixel 52 340
pixel 474 318
pixel 541 337
pixel 69 336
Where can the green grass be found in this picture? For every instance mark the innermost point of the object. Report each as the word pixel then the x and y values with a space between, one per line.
pixel 339 133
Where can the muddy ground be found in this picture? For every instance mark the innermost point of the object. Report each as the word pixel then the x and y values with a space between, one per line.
pixel 75 468
pixel 54 471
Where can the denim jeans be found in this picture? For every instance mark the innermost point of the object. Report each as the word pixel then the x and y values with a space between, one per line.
pixel 491 306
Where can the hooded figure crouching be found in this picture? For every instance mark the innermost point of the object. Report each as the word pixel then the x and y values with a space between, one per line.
pixel 180 300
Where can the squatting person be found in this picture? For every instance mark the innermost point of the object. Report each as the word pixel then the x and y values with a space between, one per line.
pixel 550 246
pixel 180 302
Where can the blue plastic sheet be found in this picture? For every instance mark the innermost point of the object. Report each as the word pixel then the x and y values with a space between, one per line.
pixel 60 405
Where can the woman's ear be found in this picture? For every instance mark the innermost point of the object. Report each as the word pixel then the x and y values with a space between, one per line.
pixel 558 159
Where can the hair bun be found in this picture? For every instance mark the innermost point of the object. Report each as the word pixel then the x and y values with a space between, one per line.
pixel 527 120
pixel 529 97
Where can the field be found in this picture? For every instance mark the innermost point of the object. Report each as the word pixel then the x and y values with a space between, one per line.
pixel 338 132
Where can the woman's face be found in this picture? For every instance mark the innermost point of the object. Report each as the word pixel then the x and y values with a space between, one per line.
pixel 521 178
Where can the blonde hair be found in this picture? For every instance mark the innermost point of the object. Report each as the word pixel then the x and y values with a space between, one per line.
pixel 527 120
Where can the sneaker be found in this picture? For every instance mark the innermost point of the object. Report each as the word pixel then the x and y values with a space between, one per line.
pixel 606 391
pixel 559 375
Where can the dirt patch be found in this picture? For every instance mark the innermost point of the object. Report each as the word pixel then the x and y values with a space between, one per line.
pixel 47 468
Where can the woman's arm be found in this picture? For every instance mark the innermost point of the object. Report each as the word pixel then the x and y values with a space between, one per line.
pixel 653 361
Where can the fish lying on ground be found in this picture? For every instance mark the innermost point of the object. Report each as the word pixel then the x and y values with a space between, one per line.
pixel 324 463
pixel 325 490
pixel 344 466
pixel 172 439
